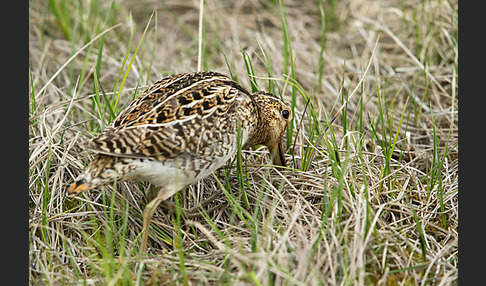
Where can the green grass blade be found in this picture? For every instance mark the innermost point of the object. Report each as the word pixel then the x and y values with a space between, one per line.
pixel 117 97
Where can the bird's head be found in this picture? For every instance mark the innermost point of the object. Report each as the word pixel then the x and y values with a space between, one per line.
pixel 274 117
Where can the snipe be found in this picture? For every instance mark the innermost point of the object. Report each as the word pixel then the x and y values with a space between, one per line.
pixel 180 130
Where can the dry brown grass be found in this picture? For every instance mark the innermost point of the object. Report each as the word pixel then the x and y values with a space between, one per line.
pixel 361 211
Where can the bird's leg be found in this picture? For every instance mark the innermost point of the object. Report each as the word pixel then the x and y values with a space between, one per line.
pixel 147 216
pixel 189 213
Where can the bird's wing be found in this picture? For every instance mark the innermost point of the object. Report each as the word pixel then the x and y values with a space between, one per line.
pixel 175 115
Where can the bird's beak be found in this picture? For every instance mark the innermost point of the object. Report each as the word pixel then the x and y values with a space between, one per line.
pixel 278 154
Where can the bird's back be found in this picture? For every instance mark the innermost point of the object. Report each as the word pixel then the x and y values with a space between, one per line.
pixel 183 126
pixel 181 114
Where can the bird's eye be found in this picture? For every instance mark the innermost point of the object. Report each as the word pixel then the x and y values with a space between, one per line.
pixel 285 113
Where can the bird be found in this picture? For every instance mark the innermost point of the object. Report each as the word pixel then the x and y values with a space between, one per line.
pixel 178 131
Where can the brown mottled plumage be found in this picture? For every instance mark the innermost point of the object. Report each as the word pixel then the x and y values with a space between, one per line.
pixel 180 130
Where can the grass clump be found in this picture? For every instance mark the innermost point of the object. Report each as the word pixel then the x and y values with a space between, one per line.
pixel 370 199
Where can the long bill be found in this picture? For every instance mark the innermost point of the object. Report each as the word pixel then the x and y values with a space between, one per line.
pixel 277 154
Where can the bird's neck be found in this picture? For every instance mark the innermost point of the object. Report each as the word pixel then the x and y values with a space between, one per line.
pixel 256 127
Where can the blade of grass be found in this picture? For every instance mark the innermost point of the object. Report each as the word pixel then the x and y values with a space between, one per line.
pixel 288 63
pixel 200 35
pixel 249 69
pixel 154 48
pixel 117 97
pixel 61 12
pixel 420 231
pixel 178 241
